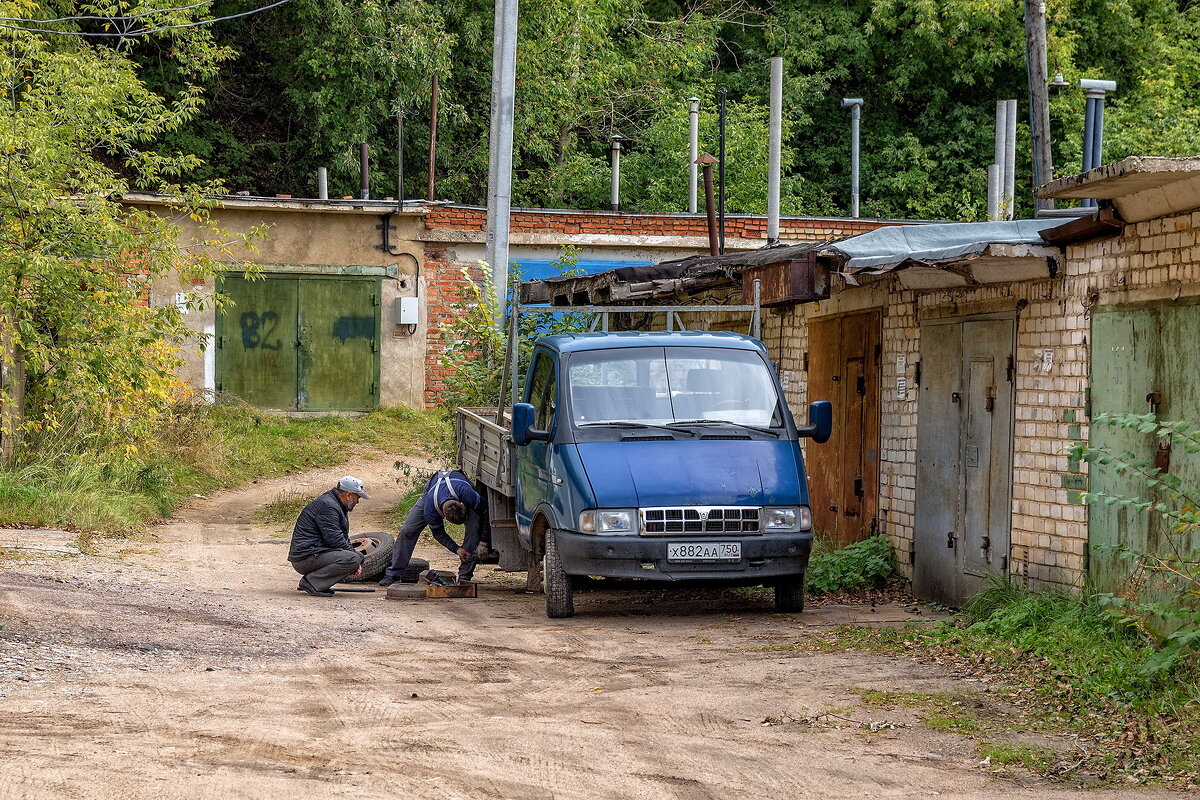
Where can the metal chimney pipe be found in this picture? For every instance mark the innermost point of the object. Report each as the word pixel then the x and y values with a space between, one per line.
pixel 774 150
pixel 433 120
pixel 615 199
pixel 721 166
pixel 1001 130
pixel 714 244
pixel 855 105
pixel 1093 124
pixel 400 160
pixel 364 171
pixel 322 183
pixel 693 152
pixel 994 175
pixel 1010 160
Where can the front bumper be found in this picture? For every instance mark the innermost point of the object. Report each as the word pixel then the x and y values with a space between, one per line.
pixel 765 556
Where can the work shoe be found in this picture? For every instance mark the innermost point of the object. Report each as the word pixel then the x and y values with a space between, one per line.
pixel 386 581
pixel 305 586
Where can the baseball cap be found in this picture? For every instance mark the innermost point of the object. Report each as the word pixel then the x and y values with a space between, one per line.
pixel 353 485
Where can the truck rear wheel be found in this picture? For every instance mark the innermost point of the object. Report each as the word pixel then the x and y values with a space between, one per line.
pixel 560 592
pixel 789 594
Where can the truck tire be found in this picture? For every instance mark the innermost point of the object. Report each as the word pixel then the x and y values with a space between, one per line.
pixel 376 550
pixel 560 600
pixel 789 594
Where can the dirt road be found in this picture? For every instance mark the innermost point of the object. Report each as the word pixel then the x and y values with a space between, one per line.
pixel 190 667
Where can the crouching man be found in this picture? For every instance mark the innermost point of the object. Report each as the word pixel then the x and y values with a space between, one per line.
pixel 449 496
pixel 321 549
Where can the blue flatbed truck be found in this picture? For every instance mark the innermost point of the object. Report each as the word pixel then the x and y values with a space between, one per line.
pixel 662 458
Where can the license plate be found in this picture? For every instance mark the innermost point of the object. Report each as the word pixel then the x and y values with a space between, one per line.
pixel 704 551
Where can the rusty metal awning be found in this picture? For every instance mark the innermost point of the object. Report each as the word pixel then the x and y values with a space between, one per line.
pixel 665 279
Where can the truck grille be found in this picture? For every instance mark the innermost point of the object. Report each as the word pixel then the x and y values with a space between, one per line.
pixel 700 519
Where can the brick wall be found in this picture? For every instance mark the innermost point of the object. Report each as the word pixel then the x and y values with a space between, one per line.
pixel 469 218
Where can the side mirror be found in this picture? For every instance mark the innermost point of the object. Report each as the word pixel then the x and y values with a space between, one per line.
pixel 523 431
pixel 820 422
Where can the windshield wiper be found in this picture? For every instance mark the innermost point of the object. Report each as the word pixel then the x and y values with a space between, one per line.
pixel 626 424
pixel 724 422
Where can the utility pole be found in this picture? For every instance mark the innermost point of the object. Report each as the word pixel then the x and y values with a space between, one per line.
pixel 1039 100
pixel 500 143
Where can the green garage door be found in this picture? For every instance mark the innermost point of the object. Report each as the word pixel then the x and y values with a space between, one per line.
pixel 1144 358
pixel 303 342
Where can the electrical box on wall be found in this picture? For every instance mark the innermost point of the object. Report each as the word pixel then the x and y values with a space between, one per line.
pixel 407 312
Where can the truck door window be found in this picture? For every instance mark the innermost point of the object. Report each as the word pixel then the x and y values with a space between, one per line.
pixel 543 394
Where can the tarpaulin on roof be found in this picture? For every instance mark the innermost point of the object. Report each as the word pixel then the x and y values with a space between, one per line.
pixel 886 248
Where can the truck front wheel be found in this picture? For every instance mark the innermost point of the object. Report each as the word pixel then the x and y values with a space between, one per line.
pixel 560 600
pixel 789 594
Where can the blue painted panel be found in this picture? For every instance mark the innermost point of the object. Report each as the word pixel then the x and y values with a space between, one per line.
pixel 535 269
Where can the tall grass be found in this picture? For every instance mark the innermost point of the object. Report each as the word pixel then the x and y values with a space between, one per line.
pixel 59 481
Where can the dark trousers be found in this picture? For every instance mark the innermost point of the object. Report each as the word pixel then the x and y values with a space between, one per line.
pixel 406 542
pixel 325 569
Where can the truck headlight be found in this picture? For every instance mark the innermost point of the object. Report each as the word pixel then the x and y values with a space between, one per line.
pixel 785 519
pixel 608 521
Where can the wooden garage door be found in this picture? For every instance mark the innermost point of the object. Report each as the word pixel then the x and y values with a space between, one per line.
pixel 843 367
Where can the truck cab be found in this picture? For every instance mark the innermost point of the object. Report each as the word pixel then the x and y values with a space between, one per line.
pixel 662 458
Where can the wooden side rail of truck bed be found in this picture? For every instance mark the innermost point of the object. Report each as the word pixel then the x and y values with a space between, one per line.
pixel 485 448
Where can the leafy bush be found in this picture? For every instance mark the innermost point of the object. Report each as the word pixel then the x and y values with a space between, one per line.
pixel 862 565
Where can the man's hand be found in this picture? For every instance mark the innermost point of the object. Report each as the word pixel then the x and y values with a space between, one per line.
pixel 464 554
pixel 357 572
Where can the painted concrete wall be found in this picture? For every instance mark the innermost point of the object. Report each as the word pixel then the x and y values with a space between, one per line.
pixel 320 236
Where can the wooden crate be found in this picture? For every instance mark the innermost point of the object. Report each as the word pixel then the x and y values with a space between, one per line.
pixel 453 590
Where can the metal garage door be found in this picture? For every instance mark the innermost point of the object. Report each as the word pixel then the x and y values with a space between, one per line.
pixel 1144 359
pixel 300 342
pixel 964 457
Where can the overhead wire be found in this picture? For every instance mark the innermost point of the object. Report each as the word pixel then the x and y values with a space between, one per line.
pixel 146 31
pixel 81 18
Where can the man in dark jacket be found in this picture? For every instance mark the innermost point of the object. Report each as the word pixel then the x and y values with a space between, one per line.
pixel 449 496
pixel 321 549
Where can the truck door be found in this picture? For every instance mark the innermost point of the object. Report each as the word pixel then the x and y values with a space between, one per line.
pixel 535 479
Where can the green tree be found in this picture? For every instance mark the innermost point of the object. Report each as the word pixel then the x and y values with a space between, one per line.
pixel 82 348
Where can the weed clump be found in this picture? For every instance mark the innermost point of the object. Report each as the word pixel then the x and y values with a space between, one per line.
pixel 862 565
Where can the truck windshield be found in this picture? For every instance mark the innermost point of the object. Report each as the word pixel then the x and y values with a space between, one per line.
pixel 661 385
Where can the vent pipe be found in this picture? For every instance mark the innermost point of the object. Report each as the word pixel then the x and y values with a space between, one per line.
pixel 693 152
pixel 364 171
pixel 615 199
pixel 322 183
pixel 855 105
pixel 433 115
pixel 400 160
pixel 1010 159
pixel 721 168
pixel 1093 124
pixel 774 150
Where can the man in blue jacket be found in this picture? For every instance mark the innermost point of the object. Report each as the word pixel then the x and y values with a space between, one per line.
pixel 449 496
pixel 321 549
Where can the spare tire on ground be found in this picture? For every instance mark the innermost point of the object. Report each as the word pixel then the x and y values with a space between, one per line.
pixel 376 549
pixel 412 573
